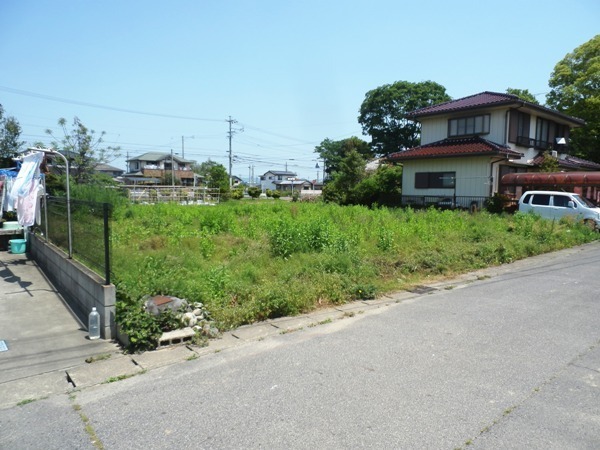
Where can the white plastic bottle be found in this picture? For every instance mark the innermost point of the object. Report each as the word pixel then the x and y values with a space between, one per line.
pixel 94 324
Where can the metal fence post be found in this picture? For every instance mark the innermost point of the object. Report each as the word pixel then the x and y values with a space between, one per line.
pixel 105 210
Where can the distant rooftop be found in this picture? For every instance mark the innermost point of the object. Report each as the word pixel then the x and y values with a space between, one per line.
pixel 159 156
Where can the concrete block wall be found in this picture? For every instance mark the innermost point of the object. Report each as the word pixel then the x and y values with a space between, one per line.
pixel 81 288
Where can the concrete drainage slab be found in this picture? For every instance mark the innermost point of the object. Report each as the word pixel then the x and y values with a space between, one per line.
pixel 117 367
pixel 422 290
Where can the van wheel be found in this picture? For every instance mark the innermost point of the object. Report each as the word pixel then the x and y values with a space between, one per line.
pixel 590 224
pixel 473 207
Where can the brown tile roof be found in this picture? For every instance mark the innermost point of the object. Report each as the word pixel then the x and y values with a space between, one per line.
pixel 482 100
pixel 472 101
pixel 569 162
pixel 448 148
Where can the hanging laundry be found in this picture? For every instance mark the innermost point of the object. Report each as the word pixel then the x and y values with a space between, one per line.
pixel 7 176
pixel 23 194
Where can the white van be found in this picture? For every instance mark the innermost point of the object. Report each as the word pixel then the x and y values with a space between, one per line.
pixel 554 205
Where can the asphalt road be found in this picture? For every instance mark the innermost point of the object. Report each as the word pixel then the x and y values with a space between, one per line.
pixel 510 361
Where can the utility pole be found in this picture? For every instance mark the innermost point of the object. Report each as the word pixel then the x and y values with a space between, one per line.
pixel 230 136
pixel 172 171
pixel 182 149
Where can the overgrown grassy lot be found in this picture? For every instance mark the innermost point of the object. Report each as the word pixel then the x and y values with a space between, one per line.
pixel 252 260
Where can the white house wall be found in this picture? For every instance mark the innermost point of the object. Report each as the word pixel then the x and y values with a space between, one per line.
pixel 436 128
pixel 472 176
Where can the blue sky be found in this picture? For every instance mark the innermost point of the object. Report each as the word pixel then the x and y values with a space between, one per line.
pixel 290 73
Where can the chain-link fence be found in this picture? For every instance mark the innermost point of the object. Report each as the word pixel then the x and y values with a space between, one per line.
pixel 90 231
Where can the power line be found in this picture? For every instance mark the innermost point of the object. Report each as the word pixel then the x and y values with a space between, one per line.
pixel 95 105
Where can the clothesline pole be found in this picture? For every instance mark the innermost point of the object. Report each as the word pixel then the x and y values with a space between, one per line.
pixel 50 151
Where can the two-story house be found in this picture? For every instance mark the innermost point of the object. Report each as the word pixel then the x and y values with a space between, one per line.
pixel 468 144
pixel 156 165
pixel 269 179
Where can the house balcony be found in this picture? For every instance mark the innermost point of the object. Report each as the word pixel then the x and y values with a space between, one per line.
pixel 526 141
pixel 186 177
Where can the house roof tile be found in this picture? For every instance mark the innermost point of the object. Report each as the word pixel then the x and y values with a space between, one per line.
pixel 485 99
pixel 447 148
pixel 107 167
pixel 569 162
pixel 281 172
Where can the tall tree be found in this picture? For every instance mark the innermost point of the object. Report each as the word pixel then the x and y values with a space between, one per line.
pixel 332 152
pixel 10 132
pixel 523 94
pixel 575 90
pixel 350 172
pixel 215 176
pixel 83 149
pixel 383 113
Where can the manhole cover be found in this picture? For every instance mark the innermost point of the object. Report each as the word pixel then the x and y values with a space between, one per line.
pixel 3 346
pixel 422 290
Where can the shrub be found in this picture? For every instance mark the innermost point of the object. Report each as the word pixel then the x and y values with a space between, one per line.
pixel 238 193
pixel 142 329
pixel 254 191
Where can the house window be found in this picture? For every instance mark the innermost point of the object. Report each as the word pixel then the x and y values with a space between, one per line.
pixel 465 126
pixel 546 131
pixel 430 180
pixel 519 128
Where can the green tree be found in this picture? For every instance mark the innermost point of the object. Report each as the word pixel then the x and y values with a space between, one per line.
pixel 383 113
pixel 549 164
pixel 575 90
pixel 204 168
pixel 350 172
pixel 215 176
pixel 382 187
pixel 523 94
pixel 83 149
pixel 10 132
pixel 332 152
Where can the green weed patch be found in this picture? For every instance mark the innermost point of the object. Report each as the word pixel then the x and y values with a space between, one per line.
pixel 252 261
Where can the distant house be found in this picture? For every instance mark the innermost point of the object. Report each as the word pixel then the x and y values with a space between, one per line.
pixel 468 144
pixel 236 181
pixel 55 164
pixel 109 170
pixel 160 166
pixel 269 179
pixel 293 185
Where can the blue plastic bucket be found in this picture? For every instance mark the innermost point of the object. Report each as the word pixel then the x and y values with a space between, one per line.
pixel 17 245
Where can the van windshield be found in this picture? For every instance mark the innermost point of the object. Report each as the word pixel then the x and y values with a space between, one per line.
pixel 584 201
